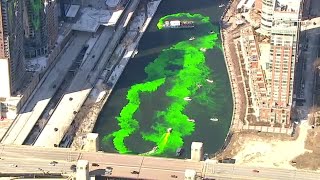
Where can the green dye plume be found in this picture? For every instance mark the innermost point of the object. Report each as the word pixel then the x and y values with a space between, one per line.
pixel 188 58
pixel 126 121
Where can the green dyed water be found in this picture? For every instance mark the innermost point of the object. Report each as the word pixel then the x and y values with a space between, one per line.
pixel 152 94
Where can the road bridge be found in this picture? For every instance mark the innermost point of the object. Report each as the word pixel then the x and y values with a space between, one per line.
pixel 33 159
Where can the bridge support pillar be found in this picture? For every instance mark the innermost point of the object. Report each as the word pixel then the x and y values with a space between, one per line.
pixel 196 151
pixel 92 142
pixel 83 170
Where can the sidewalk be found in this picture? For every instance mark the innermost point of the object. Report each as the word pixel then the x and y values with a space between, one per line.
pixel 234 69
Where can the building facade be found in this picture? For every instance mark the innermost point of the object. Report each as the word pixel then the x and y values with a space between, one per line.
pixel 51 17
pixel 12 64
pixel 280 66
pixel 267 9
pixel 35 29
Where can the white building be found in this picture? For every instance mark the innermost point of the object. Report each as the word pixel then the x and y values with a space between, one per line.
pixel 280 20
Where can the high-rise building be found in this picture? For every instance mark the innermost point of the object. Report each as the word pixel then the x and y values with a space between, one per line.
pixel 267 10
pixel 284 34
pixel 51 12
pixel 12 65
pixel 35 29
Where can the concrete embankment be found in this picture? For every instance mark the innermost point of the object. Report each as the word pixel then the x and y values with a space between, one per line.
pixel 109 77
pixel 234 71
pixel 233 66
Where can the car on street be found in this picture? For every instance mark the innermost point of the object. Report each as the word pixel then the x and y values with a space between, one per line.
pixel 53 163
pixel 108 170
pixel 95 164
pixel 135 172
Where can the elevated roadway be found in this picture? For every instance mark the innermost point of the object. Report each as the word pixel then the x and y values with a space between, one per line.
pixel 37 160
pixel 25 121
pixel 82 85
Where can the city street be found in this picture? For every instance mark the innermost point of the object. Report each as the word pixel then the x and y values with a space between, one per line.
pixel 30 159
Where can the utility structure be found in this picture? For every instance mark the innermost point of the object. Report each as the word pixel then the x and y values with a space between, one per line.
pixel 197 151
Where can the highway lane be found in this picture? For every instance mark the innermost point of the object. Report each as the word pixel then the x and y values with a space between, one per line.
pixel 30 152
pixel 30 159
pixel 114 159
pixel 267 173
pixel 172 164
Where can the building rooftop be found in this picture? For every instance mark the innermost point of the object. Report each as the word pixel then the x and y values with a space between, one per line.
pixel 290 6
pixel 91 19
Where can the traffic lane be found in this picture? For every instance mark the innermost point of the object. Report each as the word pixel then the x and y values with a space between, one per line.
pixel 272 173
pixel 117 171
pixel 33 166
pixel 172 164
pixel 150 173
pixel 308 175
pixel 113 159
pixel 46 155
pixel 264 173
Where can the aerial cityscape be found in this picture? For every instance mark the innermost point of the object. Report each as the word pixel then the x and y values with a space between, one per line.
pixel 160 89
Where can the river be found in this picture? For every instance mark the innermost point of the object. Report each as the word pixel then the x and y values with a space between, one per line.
pixel 212 134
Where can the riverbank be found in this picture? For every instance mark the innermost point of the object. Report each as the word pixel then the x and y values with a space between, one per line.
pixel 121 57
pixel 227 28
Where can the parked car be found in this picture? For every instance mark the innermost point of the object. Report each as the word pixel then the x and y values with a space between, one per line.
pixel 135 172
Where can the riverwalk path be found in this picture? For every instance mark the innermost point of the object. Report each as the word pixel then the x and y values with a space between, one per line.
pixel 233 65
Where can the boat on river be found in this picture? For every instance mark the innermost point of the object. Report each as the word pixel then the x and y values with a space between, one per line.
pixel 192 38
pixel 203 49
pixel 221 5
pixel 191 120
pixel 187 99
pixel 209 81
pixel 214 119
pixel 177 24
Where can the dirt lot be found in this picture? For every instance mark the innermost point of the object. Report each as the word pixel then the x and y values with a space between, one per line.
pixel 269 150
pixel 311 159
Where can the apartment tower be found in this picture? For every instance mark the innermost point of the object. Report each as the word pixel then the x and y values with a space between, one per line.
pixel 51 17
pixel 35 29
pixel 267 9
pixel 12 65
pixel 284 34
